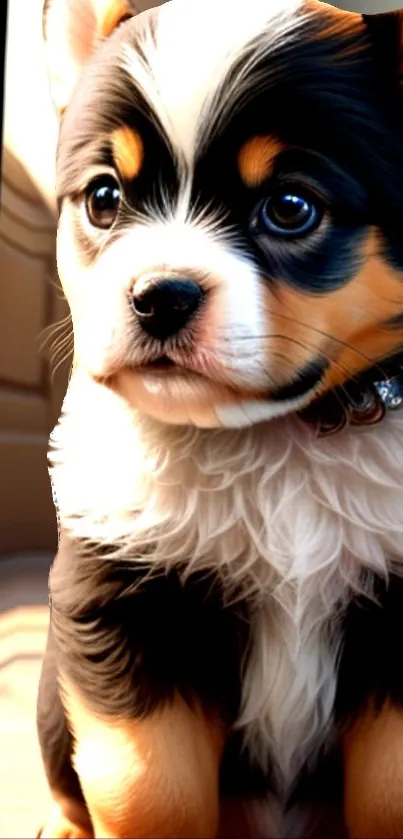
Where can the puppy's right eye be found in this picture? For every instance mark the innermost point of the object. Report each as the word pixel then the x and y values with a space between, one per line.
pixel 102 200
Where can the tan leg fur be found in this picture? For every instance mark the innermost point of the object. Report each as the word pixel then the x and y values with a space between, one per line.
pixel 154 777
pixel 373 772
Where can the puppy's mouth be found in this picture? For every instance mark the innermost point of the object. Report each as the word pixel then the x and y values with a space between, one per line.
pixel 192 390
pixel 163 364
pixel 307 380
pixel 167 367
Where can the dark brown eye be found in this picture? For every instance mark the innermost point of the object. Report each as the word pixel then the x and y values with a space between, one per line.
pixel 102 201
pixel 288 215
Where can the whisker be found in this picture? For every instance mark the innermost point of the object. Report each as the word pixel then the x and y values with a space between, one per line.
pixel 56 285
pixel 60 362
pixel 307 346
pixel 56 336
pixel 50 333
pixel 67 341
pixel 373 362
pixel 57 344
pixel 336 364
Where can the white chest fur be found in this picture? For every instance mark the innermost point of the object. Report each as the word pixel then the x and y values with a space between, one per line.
pixel 293 518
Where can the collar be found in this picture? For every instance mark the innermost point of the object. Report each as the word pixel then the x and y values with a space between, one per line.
pixel 362 401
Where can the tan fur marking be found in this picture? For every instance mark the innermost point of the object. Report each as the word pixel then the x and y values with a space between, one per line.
pixel 157 776
pixel 109 15
pixel 339 22
pixel 344 325
pixel 373 775
pixel 128 151
pixel 256 159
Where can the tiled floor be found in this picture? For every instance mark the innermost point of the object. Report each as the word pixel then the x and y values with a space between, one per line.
pixel 23 622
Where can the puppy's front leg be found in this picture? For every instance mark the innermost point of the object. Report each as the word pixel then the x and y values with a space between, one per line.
pixel 153 777
pixel 148 675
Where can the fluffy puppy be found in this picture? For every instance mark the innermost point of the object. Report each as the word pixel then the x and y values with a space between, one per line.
pixel 227 597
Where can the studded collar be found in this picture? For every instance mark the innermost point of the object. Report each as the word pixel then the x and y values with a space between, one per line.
pixel 363 401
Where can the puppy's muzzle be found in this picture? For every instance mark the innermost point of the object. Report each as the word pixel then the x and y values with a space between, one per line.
pixel 166 305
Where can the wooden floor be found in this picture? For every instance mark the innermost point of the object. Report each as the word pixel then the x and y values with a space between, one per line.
pixel 23 622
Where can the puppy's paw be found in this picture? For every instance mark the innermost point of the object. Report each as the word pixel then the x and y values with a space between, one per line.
pixel 58 827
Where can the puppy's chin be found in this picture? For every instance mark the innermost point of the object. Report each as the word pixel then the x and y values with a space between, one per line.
pixel 179 397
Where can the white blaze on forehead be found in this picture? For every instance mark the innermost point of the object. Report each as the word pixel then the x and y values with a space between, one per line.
pixel 194 45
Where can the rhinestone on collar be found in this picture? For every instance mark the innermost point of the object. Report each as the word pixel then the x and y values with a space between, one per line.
pixel 362 402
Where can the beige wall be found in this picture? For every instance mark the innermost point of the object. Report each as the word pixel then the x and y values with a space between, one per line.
pixel 29 300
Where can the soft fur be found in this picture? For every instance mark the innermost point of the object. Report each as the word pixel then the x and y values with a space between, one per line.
pixel 274 508
pixel 213 469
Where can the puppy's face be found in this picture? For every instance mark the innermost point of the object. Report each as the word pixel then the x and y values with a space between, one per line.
pixel 231 194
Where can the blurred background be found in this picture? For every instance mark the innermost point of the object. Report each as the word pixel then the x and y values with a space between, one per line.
pixel 35 346
pixel 30 400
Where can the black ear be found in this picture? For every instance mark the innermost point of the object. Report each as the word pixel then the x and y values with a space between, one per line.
pixel 72 30
pixel 386 34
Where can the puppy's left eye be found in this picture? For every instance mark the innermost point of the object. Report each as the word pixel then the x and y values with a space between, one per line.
pixel 102 200
pixel 288 214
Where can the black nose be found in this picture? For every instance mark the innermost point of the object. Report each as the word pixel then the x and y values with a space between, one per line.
pixel 167 305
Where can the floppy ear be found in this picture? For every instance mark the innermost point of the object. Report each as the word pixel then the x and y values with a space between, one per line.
pixel 386 33
pixel 72 30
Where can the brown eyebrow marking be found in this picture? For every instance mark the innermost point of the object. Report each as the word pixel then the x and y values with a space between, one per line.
pixel 256 159
pixel 128 151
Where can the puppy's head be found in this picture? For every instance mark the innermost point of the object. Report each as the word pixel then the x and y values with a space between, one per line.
pixel 231 200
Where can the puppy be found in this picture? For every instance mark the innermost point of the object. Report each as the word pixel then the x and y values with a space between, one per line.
pixel 227 601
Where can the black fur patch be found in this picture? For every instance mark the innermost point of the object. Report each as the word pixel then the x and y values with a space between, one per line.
pixel 130 640
pixel 371 664
pixel 304 381
pixel 341 116
pixel 396 322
